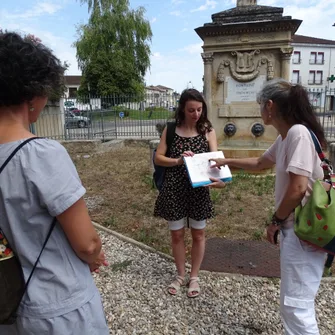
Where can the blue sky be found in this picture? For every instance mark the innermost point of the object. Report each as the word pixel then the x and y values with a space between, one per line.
pixel 176 48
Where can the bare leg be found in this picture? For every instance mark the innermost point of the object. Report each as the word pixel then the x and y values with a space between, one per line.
pixel 197 253
pixel 178 249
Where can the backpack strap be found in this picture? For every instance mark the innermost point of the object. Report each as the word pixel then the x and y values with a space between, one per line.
pixel 54 220
pixel 170 131
pixel 39 256
pixel 15 151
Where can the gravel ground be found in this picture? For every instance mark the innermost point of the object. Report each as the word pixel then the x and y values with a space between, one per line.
pixel 133 289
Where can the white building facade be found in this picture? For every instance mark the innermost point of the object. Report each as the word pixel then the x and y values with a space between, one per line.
pixel 312 65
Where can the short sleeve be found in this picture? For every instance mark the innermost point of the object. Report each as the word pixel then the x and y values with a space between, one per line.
pixel 54 176
pixel 271 152
pixel 301 152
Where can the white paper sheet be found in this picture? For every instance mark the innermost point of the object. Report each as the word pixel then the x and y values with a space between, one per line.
pixel 199 170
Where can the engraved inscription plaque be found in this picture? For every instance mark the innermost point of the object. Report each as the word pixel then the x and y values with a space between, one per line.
pixel 243 92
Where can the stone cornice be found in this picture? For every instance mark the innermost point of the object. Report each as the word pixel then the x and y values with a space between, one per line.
pixel 209 30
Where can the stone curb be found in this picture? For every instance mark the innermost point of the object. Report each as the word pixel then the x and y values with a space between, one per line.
pixel 188 266
pixel 134 242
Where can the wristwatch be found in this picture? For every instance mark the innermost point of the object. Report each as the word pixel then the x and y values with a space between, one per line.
pixel 276 221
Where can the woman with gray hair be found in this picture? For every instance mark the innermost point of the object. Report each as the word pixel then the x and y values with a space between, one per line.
pixel 287 108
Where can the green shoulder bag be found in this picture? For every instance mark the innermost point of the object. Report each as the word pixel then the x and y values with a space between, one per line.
pixel 315 222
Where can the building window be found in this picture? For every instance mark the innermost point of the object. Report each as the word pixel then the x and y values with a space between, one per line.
pixel 311 78
pixel 73 92
pixel 295 77
pixel 312 58
pixel 318 77
pixel 320 58
pixel 296 57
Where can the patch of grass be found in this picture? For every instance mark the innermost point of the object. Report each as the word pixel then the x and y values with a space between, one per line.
pixel 215 196
pixel 123 179
pixel 145 236
pixel 258 234
pixel 120 266
pixel 110 222
pixel 154 114
pixel 148 180
pixel 131 114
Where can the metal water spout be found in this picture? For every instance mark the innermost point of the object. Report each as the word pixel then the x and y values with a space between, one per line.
pixel 241 3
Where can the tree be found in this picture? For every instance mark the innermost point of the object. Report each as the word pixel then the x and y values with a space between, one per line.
pixel 113 49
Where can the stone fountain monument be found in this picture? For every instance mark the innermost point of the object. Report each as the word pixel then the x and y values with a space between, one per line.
pixel 243 48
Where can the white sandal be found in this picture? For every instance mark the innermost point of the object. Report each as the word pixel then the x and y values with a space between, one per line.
pixel 193 292
pixel 176 284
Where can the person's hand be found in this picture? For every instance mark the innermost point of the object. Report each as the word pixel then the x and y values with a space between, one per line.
pixel 216 183
pixel 272 233
pixel 180 160
pixel 218 162
pixel 100 260
pixel 187 154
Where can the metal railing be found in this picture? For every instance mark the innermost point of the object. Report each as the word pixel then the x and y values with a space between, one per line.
pixel 107 117
pixel 126 117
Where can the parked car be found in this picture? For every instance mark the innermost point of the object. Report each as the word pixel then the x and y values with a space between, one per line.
pixel 68 103
pixel 74 110
pixel 75 121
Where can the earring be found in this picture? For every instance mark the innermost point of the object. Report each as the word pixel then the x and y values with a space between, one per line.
pixel 269 116
pixel 31 109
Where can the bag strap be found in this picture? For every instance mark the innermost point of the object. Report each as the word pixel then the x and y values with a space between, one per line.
pixel 54 220
pixel 15 151
pixel 323 158
pixel 318 147
pixel 39 256
pixel 170 131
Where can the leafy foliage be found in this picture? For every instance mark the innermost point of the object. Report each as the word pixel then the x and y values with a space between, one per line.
pixel 113 49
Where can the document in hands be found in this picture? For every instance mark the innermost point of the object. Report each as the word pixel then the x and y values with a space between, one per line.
pixel 199 169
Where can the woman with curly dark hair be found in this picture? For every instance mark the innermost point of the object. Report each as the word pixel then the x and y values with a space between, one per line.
pixel 178 202
pixel 38 184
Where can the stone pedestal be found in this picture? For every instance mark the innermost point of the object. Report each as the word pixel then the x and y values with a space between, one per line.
pixel 243 48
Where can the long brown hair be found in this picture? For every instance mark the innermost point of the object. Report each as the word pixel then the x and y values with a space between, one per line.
pixel 203 124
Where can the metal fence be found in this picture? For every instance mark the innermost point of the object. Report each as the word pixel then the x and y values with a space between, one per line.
pixel 138 117
pixel 107 117
pixel 323 101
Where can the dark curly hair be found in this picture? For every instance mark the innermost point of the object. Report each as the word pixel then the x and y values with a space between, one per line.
pixel 203 125
pixel 27 70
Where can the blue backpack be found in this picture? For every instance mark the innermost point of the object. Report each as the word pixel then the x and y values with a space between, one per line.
pixel 159 173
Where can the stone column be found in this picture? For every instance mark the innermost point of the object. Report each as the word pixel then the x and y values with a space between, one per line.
pixel 241 3
pixel 285 62
pixel 208 61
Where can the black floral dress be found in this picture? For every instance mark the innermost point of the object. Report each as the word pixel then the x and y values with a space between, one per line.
pixel 177 198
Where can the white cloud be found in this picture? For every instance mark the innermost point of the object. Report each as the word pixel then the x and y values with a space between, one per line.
pixel 40 9
pixel 166 68
pixel 210 4
pixel 318 17
pixel 184 30
pixel 193 48
pixel 153 20
pixel 27 24
pixel 176 13
pixel 177 2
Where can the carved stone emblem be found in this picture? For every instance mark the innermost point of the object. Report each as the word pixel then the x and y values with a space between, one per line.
pixel 245 61
pixel 246 67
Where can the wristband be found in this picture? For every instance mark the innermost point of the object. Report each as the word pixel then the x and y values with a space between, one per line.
pixel 276 221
